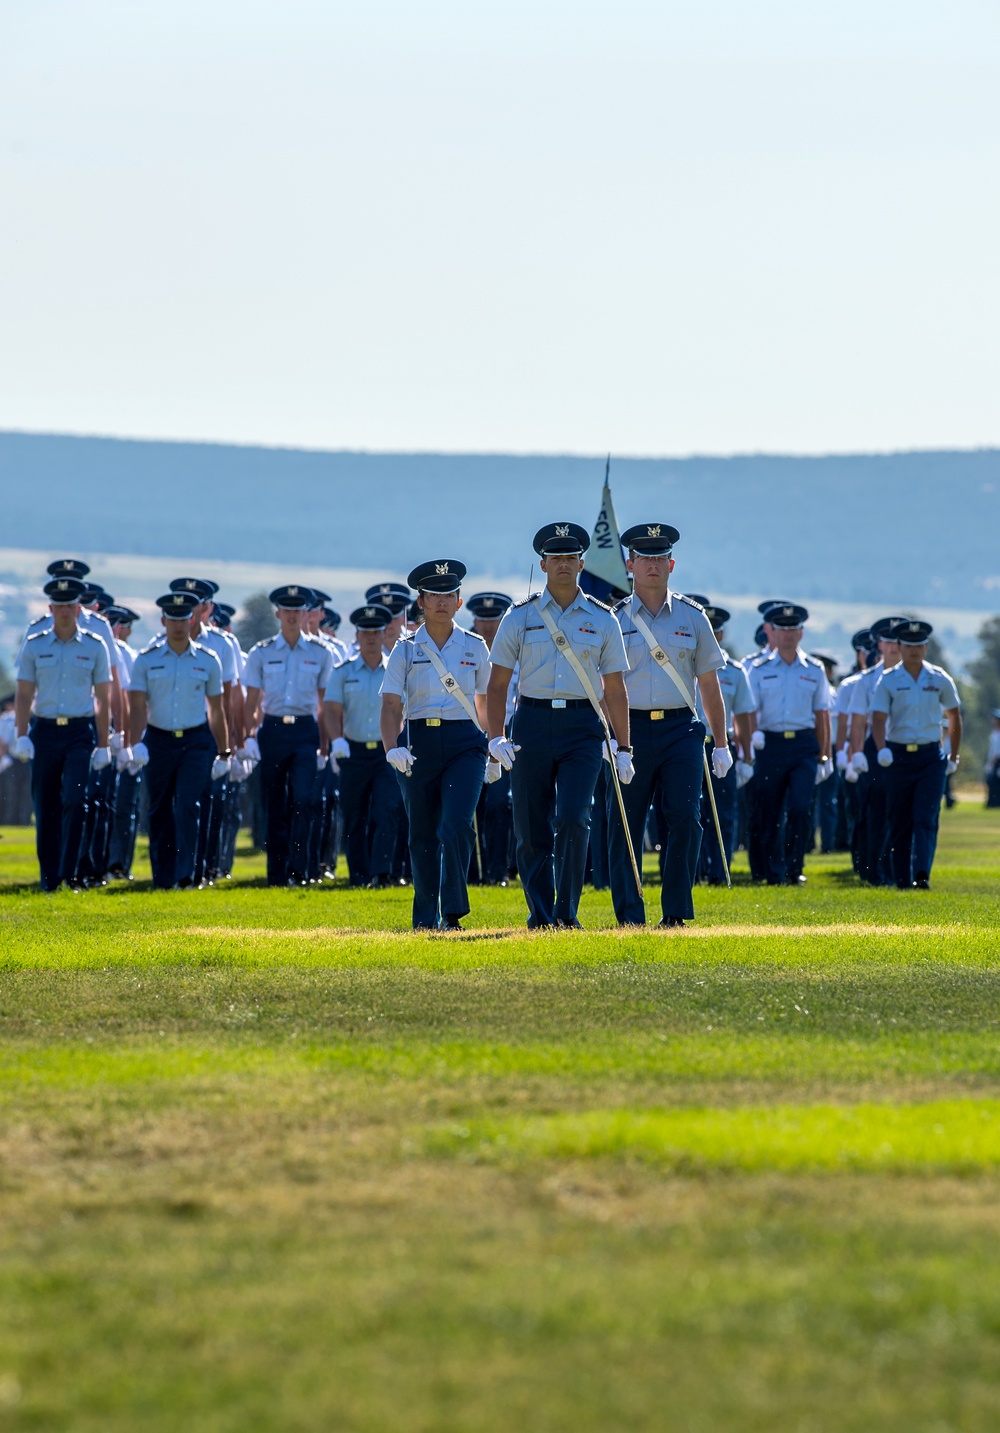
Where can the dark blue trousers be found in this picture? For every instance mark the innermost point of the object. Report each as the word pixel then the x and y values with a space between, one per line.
pixel 552 787
pixel 871 834
pixel 440 798
pixel 668 766
pixel 58 792
pixel 98 822
pixel 288 766
pixel 785 779
pixel 122 852
pixel 373 812
pixel 493 817
pixel 915 786
pixel 177 771
pixel 725 802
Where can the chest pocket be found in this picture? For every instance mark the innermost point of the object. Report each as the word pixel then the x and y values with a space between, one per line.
pixel 274 677
pixel 681 648
pixel 536 650
pixel 307 679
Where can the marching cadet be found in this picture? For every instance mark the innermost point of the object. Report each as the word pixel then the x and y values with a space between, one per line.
pixel 172 681
pixel 862 643
pixel 369 793
pixel 670 646
pixel 740 706
pixel 565 646
pixel 907 707
pixel 991 770
pixel 494 822
pixel 872 829
pixel 221 617
pixel 440 673
pixel 824 817
pixel 286 676
pixel 395 596
pixel 121 852
pixel 62 718
pixel 793 742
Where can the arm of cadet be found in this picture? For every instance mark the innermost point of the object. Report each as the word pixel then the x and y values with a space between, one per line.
pixel 858 727
pixel 713 706
pixel 217 721
pixel 391 720
pixel 822 720
pixel 102 712
pixel 250 711
pixel 24 696
pixel 496 700
pixel 234 710
pixel 954 716
pixel 480 704
pixel 324 740
pixel 117 707
pixel 744 723
pixel 842 721
pixel 136 717
pixel 333 720
pixel 878 729
pixel 616 701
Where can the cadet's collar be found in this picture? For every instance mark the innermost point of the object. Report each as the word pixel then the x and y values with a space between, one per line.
pixel 666 604
pixel 547 599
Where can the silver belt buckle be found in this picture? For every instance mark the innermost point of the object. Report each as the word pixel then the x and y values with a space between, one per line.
pixel 558 701
pixel 288 720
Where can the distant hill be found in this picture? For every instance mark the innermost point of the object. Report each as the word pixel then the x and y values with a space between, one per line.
pixel 905 529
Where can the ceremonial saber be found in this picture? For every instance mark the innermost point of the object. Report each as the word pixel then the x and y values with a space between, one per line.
pixel 621 805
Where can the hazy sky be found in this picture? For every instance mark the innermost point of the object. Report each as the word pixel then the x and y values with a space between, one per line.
pixel 650 226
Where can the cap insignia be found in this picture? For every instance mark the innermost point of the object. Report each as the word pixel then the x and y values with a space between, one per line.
pixel 488 602
pixel 67 564
pixel 293 592
pixel 788 611
pixel 191 584
pixel 441 568
pixel 369 611
pixel 62 586
pixel 914 626
pixel 562 531
pixel 653 531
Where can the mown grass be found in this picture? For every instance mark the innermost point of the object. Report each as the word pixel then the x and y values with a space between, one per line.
pixel 269 1160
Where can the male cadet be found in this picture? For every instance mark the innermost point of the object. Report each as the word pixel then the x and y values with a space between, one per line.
pixel 871 832
pixel 395 596
pixel 494 822
pixel 286 676
pixel 325 792
pixel 740 706
pixel 172 681
pixel 121 851
pixel 64 671
pixel 566 647
pixel 907 709
pixel 670 646
pixel 239 770
pixel 369 792
pixel 862 644
pixel 793 719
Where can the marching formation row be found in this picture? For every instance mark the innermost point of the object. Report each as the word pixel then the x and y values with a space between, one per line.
pixel 553 731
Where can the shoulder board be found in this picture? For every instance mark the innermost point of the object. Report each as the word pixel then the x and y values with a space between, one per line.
pixel 622 602
pixel 37 621
pixel 604 606
pixel 92 635
pixel 34 636
pixel 689 600
pixel 265 641
pixel 525 600
pixel 149 647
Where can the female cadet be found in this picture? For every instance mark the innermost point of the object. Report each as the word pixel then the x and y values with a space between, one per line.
pixel 441 673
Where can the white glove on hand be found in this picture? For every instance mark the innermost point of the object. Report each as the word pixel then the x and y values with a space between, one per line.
pixel 842 759
pixel 859 764
pixel 24 749
pixel 6 762
pixel 250 751
pixel 340 747
pixel 237 770
pixel 321 760
pixel 824 769
pixel 122 757
pixel 744 772
pixel 851 775
pixel 100 757
pixel 116 743
pixel 952 767
pixel 493 772
pixel 502 749
pixel 401 759
pixel 220 768
pixel 624 766
pixel 608 756
pixel 140 757
pixel 722 762
pixel 885 757
pixel 757 740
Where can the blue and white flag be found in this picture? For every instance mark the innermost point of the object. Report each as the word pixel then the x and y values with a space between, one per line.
pixel 604 574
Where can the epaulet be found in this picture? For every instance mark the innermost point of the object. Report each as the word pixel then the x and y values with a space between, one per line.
pixel 36 620
pixel 606 607
pixel 33 636
pixel 266 641
pixel 149 647
pixel 622 602
pixel 689 600
pixel 525 600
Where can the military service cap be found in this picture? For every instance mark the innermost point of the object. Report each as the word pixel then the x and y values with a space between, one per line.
pixel 488 605
pixel 882 629
pixel 786 614
pixel 372 618
pixel 330 618
pixel 223 609
pixel 103 601
pixel 394 595
pixel 718 616
pixel 178 606
pixel 566 538
pixel 91 592
pixel 443 576
pixel 911 632
pixel 760 636
pixel 121 616
pixel 413 612
pixel 863 641
pixel 202 587
pixel 651 539
pixel 294 597
pixel 320 599
pixel 67 567
pixel 62 591
pixel 764 607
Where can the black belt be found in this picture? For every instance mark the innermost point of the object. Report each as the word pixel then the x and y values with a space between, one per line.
pixel 790 735
pixel 365 745
pixel 179 731
pixel 912 746
pixel 288 720
pixel 439 721
pixel 660 713
pixel 554 702
pixel 63 721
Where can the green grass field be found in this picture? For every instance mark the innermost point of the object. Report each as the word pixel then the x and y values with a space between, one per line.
pixel 269 1161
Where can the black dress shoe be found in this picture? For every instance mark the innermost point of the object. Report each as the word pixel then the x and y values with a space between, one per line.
pixel 569 925
pixel 451 923
pixel 378 883
pixel 922 882
pixel 671 923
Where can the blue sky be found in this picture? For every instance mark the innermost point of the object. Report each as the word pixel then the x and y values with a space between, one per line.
pixel 699 226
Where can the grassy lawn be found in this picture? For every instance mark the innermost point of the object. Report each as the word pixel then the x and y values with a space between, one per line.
pixel 269 1161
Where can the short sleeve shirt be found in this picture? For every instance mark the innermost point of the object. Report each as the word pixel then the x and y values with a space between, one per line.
pixel 788 694
pixel 177 684
pixel 64 673
pixel 523 642
pixel 410 673
pixel 914 705
pixel 685 634
pixel 291 679
pixel 358 689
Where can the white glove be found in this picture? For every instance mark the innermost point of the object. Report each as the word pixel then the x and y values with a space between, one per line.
pixel 885 757
pixel 100 757
pixel 757 740
pixel 722 761
pixel 851 775
pixel 24 748
pixel 493 772
pixel 744 772
pixel 340 747
pixel 116 743
pixel 237 770
pixel 859 764
pixel 842 759
pixel 140 757
pixel 401 759
pixel 824 769
pixel 6 762
pixel 952 767
pixel 122 757
pixel 250 751
pixel 321 760
pixel 502 749
pixel 604 750
pixel 624 766
pixel 220 768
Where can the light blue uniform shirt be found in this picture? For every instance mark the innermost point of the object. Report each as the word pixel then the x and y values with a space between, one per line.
pixel 64 673
pixel 409 673
pixel 788 694
pixel 685 634
pixel 358 689
pixel 216 642
pixel 128 656
pixel 914 705
pixel 176 685
pixel 291 679
pixel 842 696
pixel 863 690
pixel 523 641
pixel 736 694
pixel 86 621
